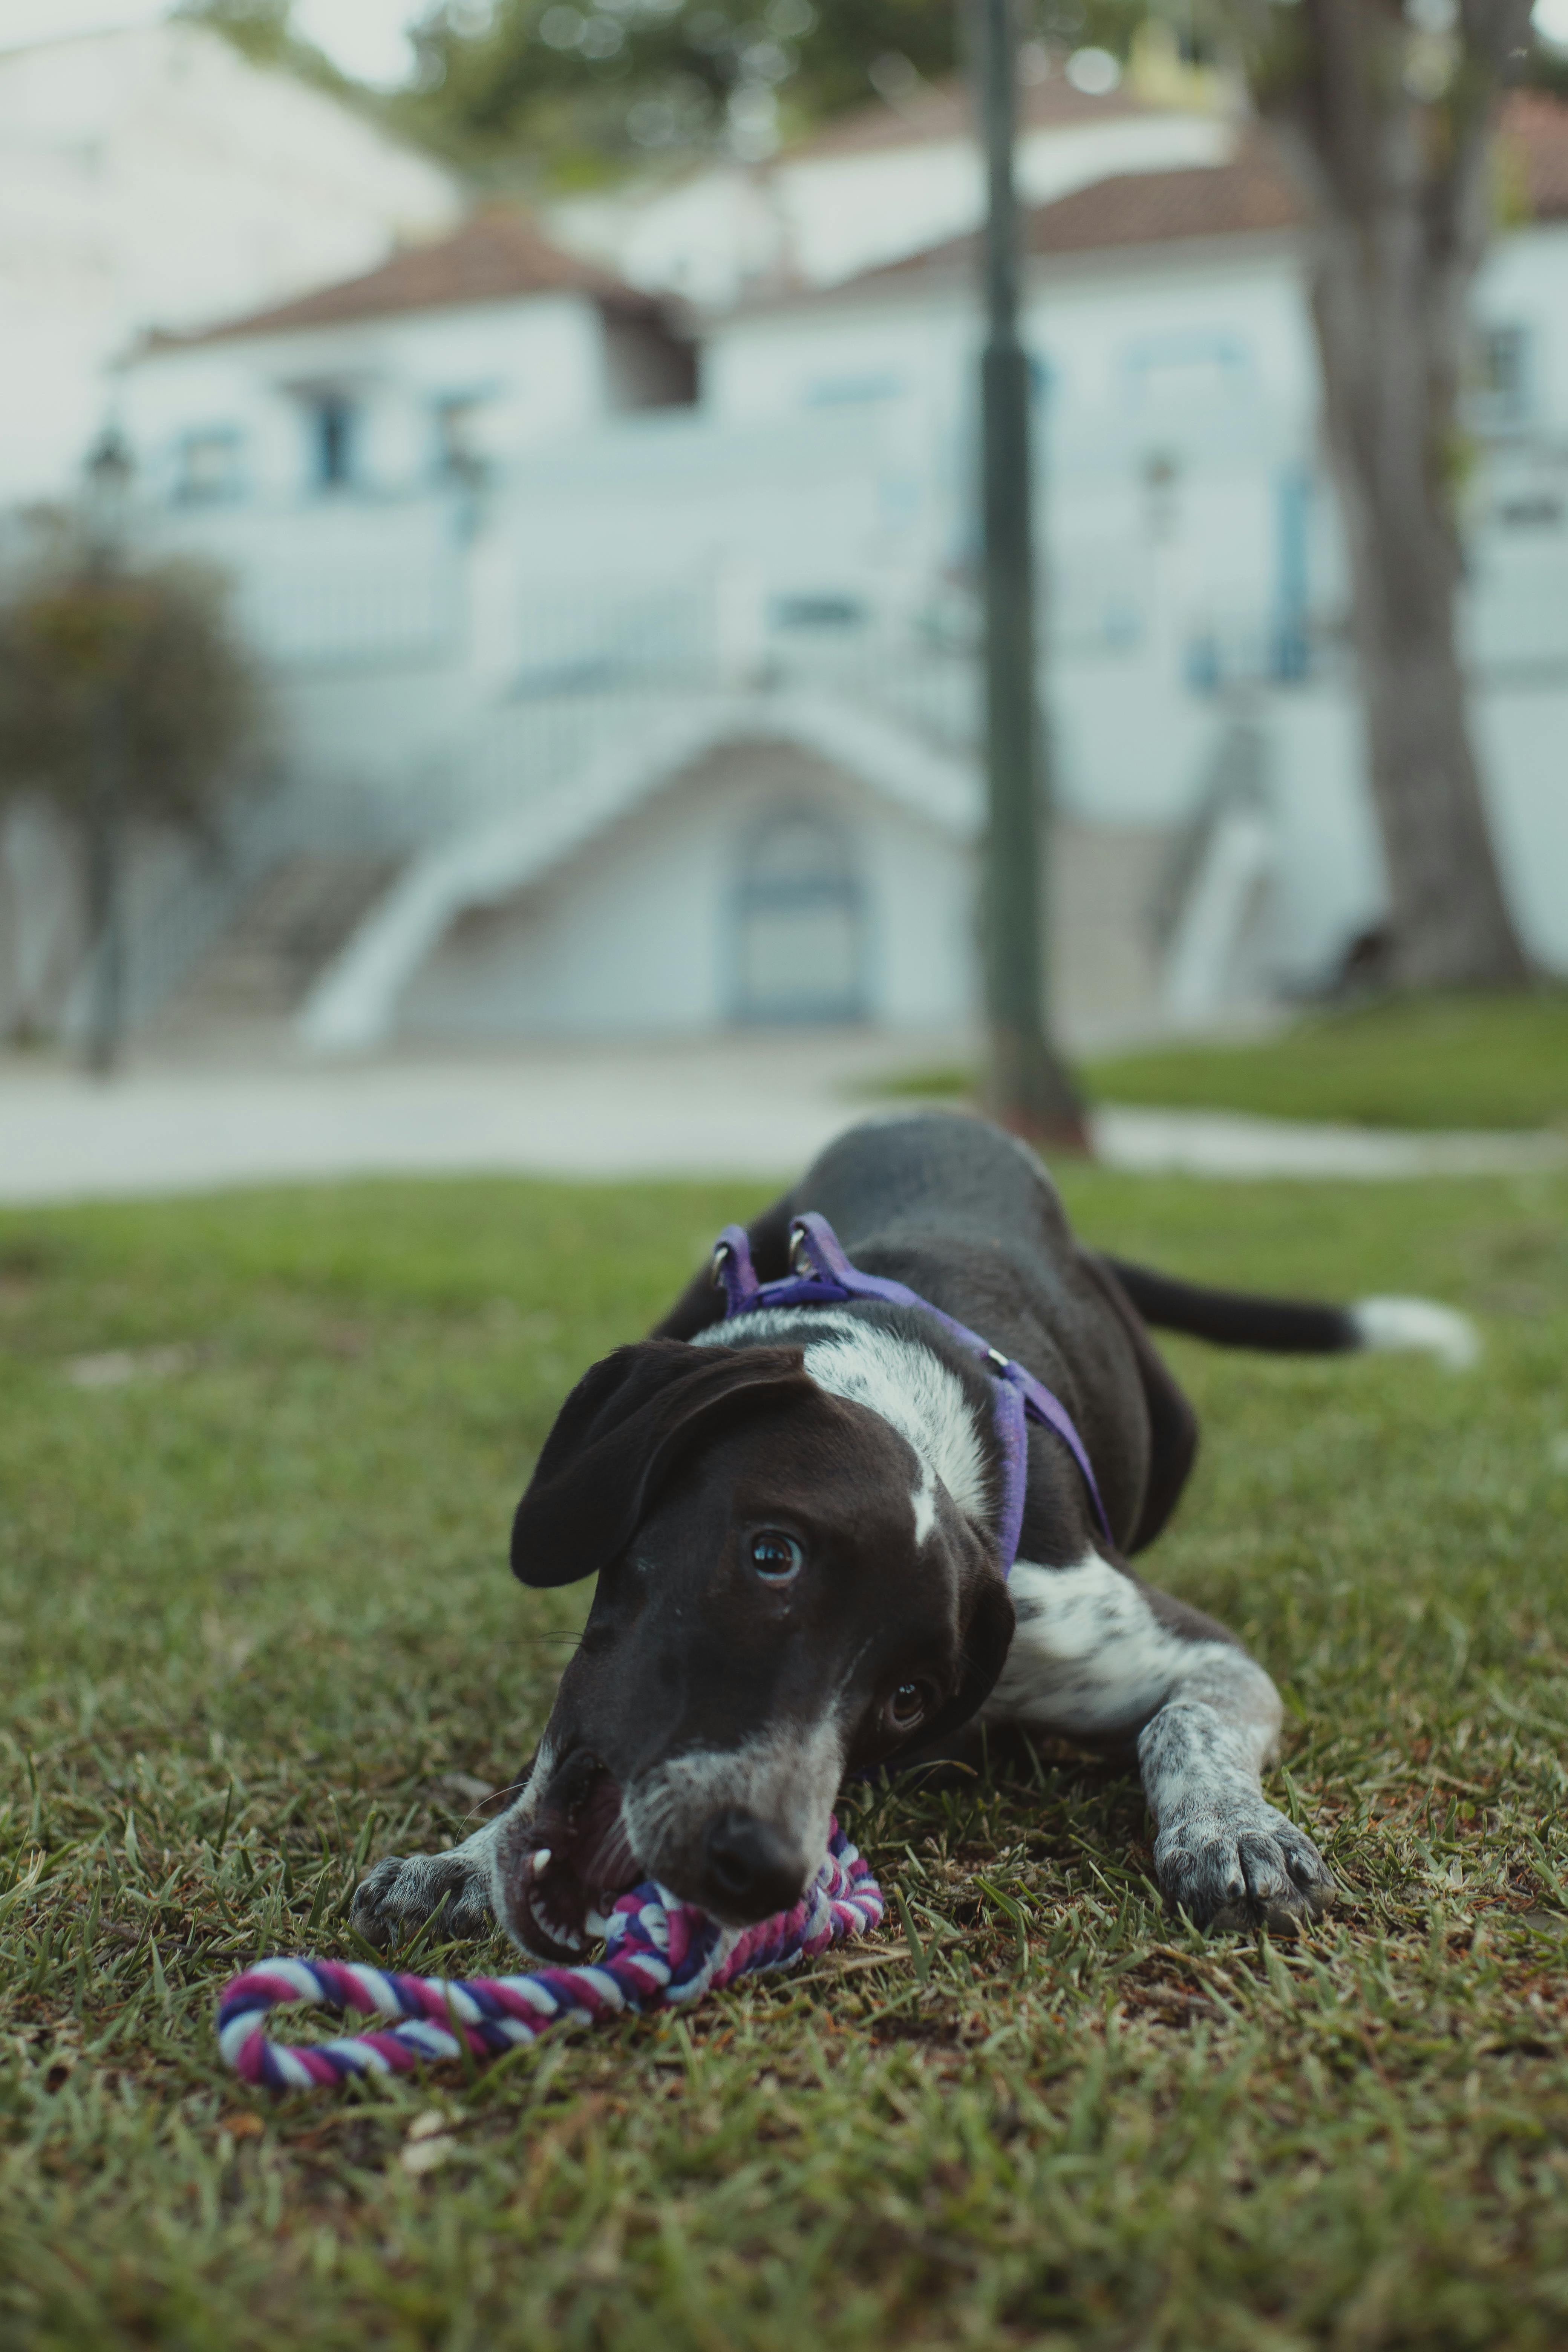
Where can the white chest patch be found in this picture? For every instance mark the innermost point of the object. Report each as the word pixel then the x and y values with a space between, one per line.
pixel 1090 1656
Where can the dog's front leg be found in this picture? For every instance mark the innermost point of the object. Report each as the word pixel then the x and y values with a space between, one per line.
pixel 1222 1852
pixel 466 1883
pixel 1099 1657
pixel 405 1890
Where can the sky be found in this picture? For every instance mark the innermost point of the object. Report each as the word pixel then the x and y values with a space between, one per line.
pixel 363 37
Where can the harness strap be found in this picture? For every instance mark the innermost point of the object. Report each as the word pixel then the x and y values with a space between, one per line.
pixel 824 1277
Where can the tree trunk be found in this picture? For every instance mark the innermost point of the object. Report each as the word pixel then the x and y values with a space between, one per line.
pixel 1399 169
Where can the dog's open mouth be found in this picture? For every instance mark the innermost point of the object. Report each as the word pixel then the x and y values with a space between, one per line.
pixel 574 1861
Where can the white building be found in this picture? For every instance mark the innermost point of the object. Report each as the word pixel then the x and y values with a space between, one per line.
pixel 452 358
pixel 883 182
pixel 613 712
pixel 155 176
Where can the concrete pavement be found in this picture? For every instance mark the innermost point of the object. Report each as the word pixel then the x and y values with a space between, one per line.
pixel 759 1106
pixel 1225 1143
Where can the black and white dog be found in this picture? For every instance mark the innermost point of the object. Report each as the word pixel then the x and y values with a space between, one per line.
pixel 792 1517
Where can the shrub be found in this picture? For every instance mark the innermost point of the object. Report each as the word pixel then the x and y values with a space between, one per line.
pixel 156 644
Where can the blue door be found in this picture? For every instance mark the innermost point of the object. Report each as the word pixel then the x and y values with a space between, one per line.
pixel 799 922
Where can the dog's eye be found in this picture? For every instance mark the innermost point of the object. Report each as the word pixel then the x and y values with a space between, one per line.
pixel 906 1707
pixel 776 1558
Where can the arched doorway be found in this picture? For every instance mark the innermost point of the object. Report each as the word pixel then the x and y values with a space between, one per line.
pixel 800 945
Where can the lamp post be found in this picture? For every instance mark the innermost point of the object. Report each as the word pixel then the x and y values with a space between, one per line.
pixel 108 475
pixel 1029 1089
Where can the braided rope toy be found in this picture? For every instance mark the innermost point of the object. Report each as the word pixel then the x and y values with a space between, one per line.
pixel 657 1951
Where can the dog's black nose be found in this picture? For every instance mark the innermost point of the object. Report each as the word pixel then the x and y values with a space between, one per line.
pixel 749 1870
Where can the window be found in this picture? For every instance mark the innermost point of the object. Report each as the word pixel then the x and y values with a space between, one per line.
pixel 1160 473
pixel 1499 379
pixel 849 391
pixel 1188 371
pixel 800 946
pixel 829 610
pixel 1536 508
pixel 460 438
pixel 332 430
pixel 208 467
pixel 1042 379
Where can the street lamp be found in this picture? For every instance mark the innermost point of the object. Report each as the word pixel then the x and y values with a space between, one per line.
pixel 1029 1089
pixel 108 473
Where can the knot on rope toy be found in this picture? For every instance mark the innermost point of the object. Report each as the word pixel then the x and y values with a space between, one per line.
pixel 658 1951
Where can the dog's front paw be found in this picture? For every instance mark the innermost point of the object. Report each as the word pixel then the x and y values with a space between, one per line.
pixel 403 1892
pixel 1241 1866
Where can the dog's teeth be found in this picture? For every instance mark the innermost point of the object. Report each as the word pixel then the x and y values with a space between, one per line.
pixel 597 1924
pixel 541 1860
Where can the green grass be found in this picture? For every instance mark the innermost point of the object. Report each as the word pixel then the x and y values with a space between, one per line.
pixel 254 1612
pixel 1418 1061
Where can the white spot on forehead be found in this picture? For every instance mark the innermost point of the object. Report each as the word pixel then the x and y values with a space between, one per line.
pixel 769 1323
pixel 924 1501
pixel 898 1378
pixel 914 1392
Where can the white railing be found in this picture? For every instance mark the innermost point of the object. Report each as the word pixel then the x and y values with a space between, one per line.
pixel 333 584
pixel 166 939
pixel 595 673
pixel 584 671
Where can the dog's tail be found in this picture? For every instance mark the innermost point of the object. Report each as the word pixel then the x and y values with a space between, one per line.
pixel 1285 1327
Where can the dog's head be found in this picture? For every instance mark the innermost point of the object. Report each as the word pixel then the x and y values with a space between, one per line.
pixel 785 1594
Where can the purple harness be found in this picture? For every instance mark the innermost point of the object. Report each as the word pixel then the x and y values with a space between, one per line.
pixel 824 1276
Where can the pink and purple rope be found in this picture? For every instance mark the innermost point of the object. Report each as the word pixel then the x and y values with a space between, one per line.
pixel 658 1951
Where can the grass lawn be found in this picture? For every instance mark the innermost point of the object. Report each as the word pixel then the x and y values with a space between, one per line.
pixel 253 1617
pixel 1422 1062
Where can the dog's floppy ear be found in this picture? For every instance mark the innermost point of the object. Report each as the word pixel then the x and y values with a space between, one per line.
pixel 617 1436
pixel 987 1641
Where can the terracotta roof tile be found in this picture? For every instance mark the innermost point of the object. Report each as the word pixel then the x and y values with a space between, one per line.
pixel 494 257
pixel 499 254
pixel 1535 139
pixel 1251 195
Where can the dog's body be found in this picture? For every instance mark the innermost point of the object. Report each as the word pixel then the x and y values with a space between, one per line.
pixel 792 1514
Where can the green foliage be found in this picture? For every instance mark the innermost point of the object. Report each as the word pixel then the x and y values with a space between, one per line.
pixel 263 31
pixel 258 1627
pixel 259 28
pixel 1272 45
pixel 613 84
pixel 1465 1061
pixel 1418 1061
pixel 1546 68
pixel 153 642
pixel 581 90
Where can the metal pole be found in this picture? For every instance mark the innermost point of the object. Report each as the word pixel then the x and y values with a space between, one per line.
pixel 1029 1090
pixel 106 1014
pixel 109 474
